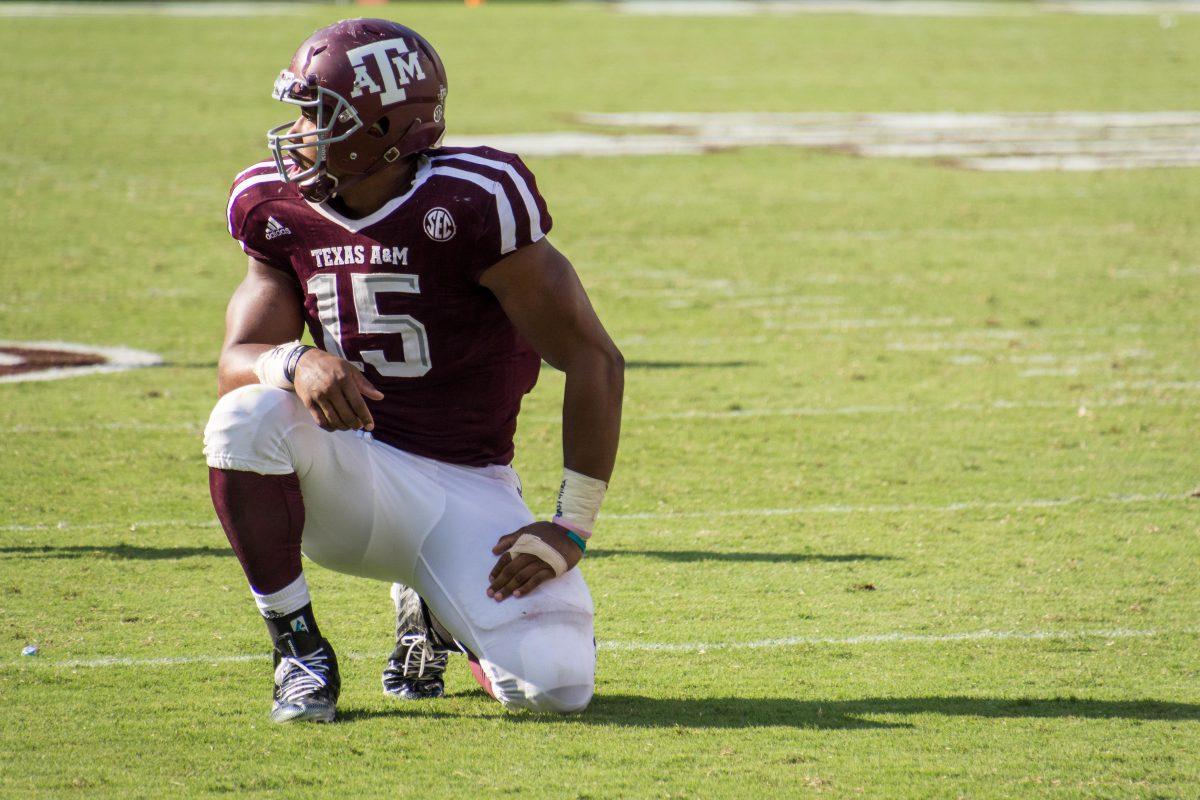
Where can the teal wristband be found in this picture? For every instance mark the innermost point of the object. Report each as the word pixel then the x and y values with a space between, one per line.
pixel 577 539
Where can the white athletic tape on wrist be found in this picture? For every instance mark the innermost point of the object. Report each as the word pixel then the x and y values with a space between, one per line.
pixel 534 546
pixel 579 499
pixel 271 365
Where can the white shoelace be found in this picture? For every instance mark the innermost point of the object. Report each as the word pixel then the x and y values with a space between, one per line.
pixel 425 656
pixel 313 668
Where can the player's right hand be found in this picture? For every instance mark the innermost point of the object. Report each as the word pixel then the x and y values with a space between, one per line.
pixel 333 389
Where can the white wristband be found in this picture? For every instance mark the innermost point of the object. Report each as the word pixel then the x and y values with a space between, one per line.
pixel 271 365
pixel 579 499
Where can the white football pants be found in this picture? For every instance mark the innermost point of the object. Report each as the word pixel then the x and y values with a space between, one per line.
pixel 378 512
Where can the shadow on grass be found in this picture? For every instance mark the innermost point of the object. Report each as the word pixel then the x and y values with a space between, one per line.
pixel 716 555
pixel 111 551
pixel 633 711
pixel 739 712
pixel 687 364
pixel 634 364
pixel 185 365
pixel 407 710
pixel 128 551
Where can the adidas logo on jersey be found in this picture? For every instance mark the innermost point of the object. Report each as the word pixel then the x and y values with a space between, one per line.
pixel 274 229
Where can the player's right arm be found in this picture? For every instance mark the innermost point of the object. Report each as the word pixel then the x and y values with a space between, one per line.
pixel 266 310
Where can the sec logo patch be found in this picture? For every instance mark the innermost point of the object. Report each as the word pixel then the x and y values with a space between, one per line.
pixel 439 225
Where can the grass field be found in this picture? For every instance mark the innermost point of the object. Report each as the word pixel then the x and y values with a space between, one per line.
pixel 902 507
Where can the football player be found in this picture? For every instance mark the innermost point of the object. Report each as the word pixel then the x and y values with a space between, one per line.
pixel 426 279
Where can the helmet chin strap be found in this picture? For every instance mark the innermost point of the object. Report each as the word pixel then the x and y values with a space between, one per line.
pixel 318 188
pixel 329 186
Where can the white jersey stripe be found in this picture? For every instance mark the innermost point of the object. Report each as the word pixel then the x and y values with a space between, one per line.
pixel 508 223
pixel 356 225
pixel 243 186
pixel 531 207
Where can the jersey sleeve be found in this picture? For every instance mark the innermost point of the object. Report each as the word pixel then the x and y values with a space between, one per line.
pixel 514 217
pixel 246 195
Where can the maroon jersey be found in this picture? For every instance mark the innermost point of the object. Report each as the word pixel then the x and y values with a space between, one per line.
pixel 397 293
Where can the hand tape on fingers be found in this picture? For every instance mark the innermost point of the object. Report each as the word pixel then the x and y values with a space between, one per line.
pixel 534 546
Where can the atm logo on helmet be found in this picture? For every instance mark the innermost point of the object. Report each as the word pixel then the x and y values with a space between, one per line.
pixel 397 65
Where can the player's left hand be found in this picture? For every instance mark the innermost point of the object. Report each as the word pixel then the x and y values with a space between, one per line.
pixel 519 576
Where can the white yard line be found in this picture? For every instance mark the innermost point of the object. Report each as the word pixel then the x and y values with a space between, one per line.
pixel 900 8
pixel 1081 163
pixel 1067 140
pixel 1173 271
pixel 996 340
pixel 731 414
pixel 1157 385
pixel 897 637
pixel 1049 360
pixel 834 508
pixel 852 323
pixel 902 122
pixel 1180 147
pixel 800 411
pixel 1049 372
pixel 47 430
pixel 885 638
pixel 933 339
pixel 101 526
pixel 894 508
pixel 117 9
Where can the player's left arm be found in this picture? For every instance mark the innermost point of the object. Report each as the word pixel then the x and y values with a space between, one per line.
pixel 543 297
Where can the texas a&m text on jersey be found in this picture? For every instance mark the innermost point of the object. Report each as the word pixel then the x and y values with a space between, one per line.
pixel 396 293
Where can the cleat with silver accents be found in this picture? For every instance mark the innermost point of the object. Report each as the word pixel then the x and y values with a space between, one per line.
pixel 414 670
pixel 307 681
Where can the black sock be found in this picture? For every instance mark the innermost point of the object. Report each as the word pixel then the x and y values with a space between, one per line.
pixel 299 621
pixel 441 637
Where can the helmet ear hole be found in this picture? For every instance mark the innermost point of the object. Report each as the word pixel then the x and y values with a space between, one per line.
pixel 380 128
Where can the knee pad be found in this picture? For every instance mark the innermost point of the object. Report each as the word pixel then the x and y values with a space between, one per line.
pixel 248 429
pixel 561 699
pixel 548 665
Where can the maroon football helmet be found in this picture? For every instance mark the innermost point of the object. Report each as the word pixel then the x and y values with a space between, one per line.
pixel 376 91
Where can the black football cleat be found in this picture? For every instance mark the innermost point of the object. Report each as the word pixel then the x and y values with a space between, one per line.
pixel 414 670
pixel 307 681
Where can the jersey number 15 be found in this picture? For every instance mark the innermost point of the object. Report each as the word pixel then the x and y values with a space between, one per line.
pixel 366 286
